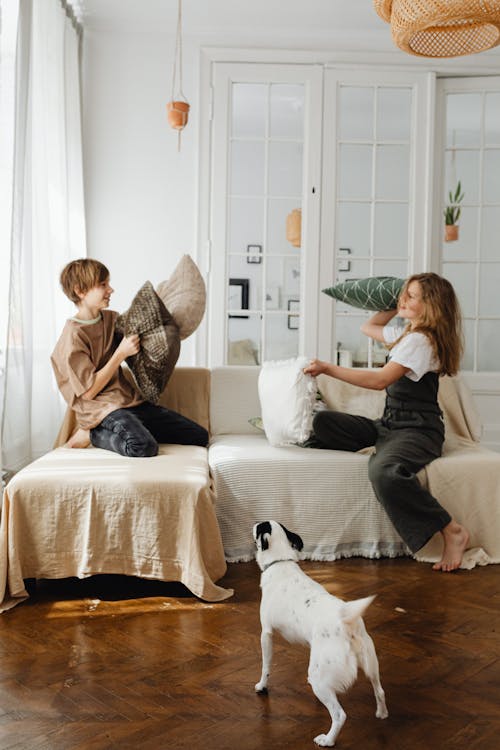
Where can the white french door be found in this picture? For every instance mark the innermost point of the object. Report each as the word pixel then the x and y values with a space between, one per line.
pixel 266 153
pixel 377 186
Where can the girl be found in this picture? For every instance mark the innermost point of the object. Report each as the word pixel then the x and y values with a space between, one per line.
pixel 410 433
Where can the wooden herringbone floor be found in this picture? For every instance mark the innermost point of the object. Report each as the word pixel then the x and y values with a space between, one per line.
pixel 118 663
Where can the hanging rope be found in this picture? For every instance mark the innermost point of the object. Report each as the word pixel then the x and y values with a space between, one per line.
pixel 178 106
pixel 178 56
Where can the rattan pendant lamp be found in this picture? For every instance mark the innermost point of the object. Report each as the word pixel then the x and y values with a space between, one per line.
pixel 442 28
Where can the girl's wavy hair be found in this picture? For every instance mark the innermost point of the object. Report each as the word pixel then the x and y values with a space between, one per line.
pixel 441 320
pixel 82 274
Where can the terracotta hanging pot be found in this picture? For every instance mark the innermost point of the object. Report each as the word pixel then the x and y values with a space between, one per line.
pixel 294 227
pixel 450 232
pixel 177 113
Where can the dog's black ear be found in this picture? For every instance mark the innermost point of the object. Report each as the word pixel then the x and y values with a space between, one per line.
pixel 294 539
pixel 260 532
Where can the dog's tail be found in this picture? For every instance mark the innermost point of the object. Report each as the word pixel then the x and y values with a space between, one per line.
pixel 352 610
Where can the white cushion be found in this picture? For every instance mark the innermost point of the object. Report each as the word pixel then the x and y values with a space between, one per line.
pixel 287 398
pixel 233 399
pixel 326 492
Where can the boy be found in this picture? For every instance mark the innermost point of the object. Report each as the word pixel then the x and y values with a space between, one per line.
pixel 110 411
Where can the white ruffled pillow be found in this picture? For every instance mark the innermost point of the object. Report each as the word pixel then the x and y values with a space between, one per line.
pixel 287 399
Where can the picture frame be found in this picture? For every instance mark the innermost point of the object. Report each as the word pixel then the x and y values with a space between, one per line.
pixel 254 253
pixel 293 320
pixel 238 294
pixel 344 264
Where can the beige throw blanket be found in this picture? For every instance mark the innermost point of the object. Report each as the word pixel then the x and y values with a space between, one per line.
pixel 465 480
pixel 112 514
pixel 80 512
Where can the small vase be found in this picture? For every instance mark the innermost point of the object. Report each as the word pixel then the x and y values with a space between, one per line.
pixel 177 113
pixel 450 232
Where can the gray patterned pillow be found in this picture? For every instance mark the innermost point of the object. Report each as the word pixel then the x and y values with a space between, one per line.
pixel 160 341
pixel 373 293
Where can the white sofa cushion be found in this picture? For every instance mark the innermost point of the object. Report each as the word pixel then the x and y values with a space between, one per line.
pixel 234 399
pixel 324 494
pixel 287 399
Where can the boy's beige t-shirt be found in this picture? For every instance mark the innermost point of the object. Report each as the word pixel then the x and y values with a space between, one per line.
pixel 82 349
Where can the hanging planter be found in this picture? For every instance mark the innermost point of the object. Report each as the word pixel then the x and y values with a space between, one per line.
pixel 178 106
pixel 177 113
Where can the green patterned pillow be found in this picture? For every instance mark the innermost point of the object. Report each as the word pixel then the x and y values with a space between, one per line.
pixel 257 423
pixel 372 293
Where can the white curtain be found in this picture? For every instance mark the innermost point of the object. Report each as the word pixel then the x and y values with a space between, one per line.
pixel 48 226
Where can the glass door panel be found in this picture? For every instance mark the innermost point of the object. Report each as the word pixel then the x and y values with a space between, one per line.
pixel 373 187
pixel 394 114
pixel 492 119
pixel 287 111
pixel 355 172
pixel 471 127
pixel 392 173
pixel 248 111
pixel 355 114
pixel 266 157
pixel 390 226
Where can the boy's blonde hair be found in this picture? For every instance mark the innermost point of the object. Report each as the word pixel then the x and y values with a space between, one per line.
pixel 82 275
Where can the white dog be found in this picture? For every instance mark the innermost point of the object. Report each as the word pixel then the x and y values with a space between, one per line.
pixel 304 612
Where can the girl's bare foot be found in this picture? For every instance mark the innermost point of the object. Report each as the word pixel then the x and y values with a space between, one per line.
pixel 456 539
pixel 79 439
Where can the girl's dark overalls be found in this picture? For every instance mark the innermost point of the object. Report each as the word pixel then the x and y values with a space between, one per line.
pixel 409 435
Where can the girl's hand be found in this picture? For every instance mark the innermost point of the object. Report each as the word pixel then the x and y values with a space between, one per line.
pixel 129 345
pixel 316 367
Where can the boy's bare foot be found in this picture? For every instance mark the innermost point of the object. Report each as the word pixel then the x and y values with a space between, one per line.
pixel 79 439
pixel 456 539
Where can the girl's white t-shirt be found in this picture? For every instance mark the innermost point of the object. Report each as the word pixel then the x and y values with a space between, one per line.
pixel 414 351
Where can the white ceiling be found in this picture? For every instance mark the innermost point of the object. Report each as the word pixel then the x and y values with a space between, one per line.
pixel 351 26
pixel 203 17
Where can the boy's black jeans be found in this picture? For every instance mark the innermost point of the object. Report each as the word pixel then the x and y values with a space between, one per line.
pixel 138 430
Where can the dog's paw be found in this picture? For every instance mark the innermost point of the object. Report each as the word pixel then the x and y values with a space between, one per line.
pixel 323 741
pixel 382 713
pixel 261 689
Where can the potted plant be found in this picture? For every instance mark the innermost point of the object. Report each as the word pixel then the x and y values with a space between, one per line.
pixel 452 214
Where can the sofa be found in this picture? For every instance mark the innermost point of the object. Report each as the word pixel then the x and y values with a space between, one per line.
pixel 326 495
pixel 181 515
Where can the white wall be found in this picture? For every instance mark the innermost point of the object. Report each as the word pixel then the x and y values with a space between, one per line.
pixel 141 194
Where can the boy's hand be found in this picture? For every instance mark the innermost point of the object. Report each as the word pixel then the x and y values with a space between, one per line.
pixel 129 345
